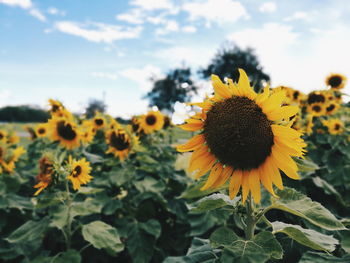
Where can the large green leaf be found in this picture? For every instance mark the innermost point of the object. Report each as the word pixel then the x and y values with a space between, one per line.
pixel 102 235
pixel 71 256
pixel 223 236
pixel 88 207
pixel 306 237
pixel 270 244
pixel 300 205
pixel 29 232
pixel 313 257
pixel 345 241
pixel 149 184
pixel 306 165
pixel 213 201
pixel 328 189
pixel 152 227
pixel 243 251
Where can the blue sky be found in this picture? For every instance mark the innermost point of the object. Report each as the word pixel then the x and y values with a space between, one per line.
pixel 77 50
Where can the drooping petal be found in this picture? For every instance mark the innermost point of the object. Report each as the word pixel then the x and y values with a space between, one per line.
pixel 235 183
pixel 226 173
pixel 254 185
pixel 194 143
pixel 245 186
pixel 207 165
pixel 283 113
pixel 220 88
pixel 213 176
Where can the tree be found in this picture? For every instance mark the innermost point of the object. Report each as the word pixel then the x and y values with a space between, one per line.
pixel 176 86
pixel 93 106
pixel 23 113
pixel 227 61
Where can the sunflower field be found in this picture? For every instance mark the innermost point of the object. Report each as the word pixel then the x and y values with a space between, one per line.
pixel 249 177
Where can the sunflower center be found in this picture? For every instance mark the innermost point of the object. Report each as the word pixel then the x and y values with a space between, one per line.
pixel 335 81
pixel 1 136
pixel 99 122
pixel 238 133
pixel 296 95
pixel 316 108
pixel 77 171
pixel 41 131
pixel 151 119
pixel 337 127
pixel 119 142
pixel 330 108
pixel 55 108
pixel 65 130
pixel 313 98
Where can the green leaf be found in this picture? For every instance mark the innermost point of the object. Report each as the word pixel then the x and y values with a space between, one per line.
pixel 102 235
pixel 328 188
pixel 149 184
pixel 93 158
pixel 300 205
pixel 270 244
pixel 152 227
pixel 306 237
pixel 306 165
pixel 29 232
pixel 313 257
pixel 223 236
pixel 345 241
pixel 71 256
pixel 88 207
pixel 200 251
pixel 19 202
pixel 60 216
pixel 242 251
pixel 213 201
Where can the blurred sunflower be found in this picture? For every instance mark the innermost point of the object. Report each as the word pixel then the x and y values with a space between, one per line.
pixel 152 121
pixel 12 138
pixel 87 131
pixel 336 81
pixel 31 132
pixel 9 157
pixel 335 126
pixel 242 137
pixel 79 172
pixel 332 107
pixel 44 177
pixel 119 143
pixel 41 130
pixel 99 121
pixel 55 106
pixel 316 97
pixel 135 125
pixel 3 136
pixel 65 131
pixel 316 109
pixel 309 123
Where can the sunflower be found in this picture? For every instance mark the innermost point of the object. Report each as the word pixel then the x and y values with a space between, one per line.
pixel 119 143
pixel 317 109
pixel 152 121
pixel 31 132
pixel 87 131
pixel 44 177
pixel 3 136
pixel 309 123
pixel 242 138
pixel 9 157
pixel 41 130
pixel 336 81
pixel 332 107
pixel 99 121
pixel 79 172
pixel 316 97
pixel 65 131
pixel 135 125
pixel 335 126
pixel 13 138
pixel 55 106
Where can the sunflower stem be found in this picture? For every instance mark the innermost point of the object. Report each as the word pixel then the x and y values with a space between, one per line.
pixel 251 220
pixel 68 230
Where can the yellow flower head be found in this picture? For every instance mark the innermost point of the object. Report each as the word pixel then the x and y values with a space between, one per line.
pixel 316 97
pixel 46 171
pixel 12 138
pixel 65 131
pixel 135 125
pixel 336 81
pixel 332 108
pixel 317 109
pixel 79 172
pixel 99 121
pixel 41 130
pixel 9 157
pixel 3 136
pixel 120 143
pixel 244 137
pixel 87 131
pixel 152 121
pixel 335 126
pixel 31 132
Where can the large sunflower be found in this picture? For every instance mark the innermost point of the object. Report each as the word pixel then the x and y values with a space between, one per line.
pixel 119 143
pixel 65 131
pixel 79 172
pixel 242 137
pixel 152 121
pixel 336 81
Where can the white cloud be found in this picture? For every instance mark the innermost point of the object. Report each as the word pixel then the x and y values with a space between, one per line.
pixel 98 32
pixel 298 16
pixel 169 26
pixel 216 11
pixel 37 14
pixel 268 7
pixel 134 16
pixel 55 11
pixel 25 4
pixel 189 29
pixel 153 4
pixel 105 75
pixel 142 76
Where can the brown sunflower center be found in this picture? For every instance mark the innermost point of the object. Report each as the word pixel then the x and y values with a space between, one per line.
pixel 77 171
pixel 335 81
pixel 151 119
pixel 296 95
pixel 337 127
pixel 119 141
pixel 55 108
pixel 66 131
pixel 313 98
pixel 238 133
pixel 99 122
pixel 45 166
pixel 330 108
pixel 316 108
pixel 1 136
pixel 41 131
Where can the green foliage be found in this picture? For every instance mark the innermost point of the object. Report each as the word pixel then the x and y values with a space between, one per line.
pixel 23 114
pixel 94 106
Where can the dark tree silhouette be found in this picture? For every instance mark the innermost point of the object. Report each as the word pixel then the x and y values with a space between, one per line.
pixel 93 106
pixel 176 86
pixel 227 61
pixel 23 114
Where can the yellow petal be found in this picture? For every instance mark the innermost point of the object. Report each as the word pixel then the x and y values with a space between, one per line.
pixel 254 185
pixel 192 126
pixel 272 169
pixel 245 186
pixel 194 143
pixel 283 113
pixel 207 165
pixel 286 164
pixel 273 102
pixel 226 173
pixel 220 88
pixel 213 176
pixel 235 183
pixel 265 178
pixel 244 85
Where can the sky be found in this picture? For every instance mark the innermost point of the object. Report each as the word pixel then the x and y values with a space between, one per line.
pixel 79 50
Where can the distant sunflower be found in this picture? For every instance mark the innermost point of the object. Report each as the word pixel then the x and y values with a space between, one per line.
pixel 119 143
pixel 56 106
pixel 332 107
pixel 44 177
pixel 64 131
pixel 336 81
pixel 242 138
pixel 335 126
pixel 87 131
pixel 9 157
pixel 41 130
pixel 152 121
pixel 79 172
pixel 316 97
pixel 99 121
pixel 309 124
pixel 317 109
pixel 135 125
pixel 3 136
pixel 31 132
pixel 13 138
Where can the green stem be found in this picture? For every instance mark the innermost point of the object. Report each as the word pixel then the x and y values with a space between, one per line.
pixel 251 220
pixel 68 230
